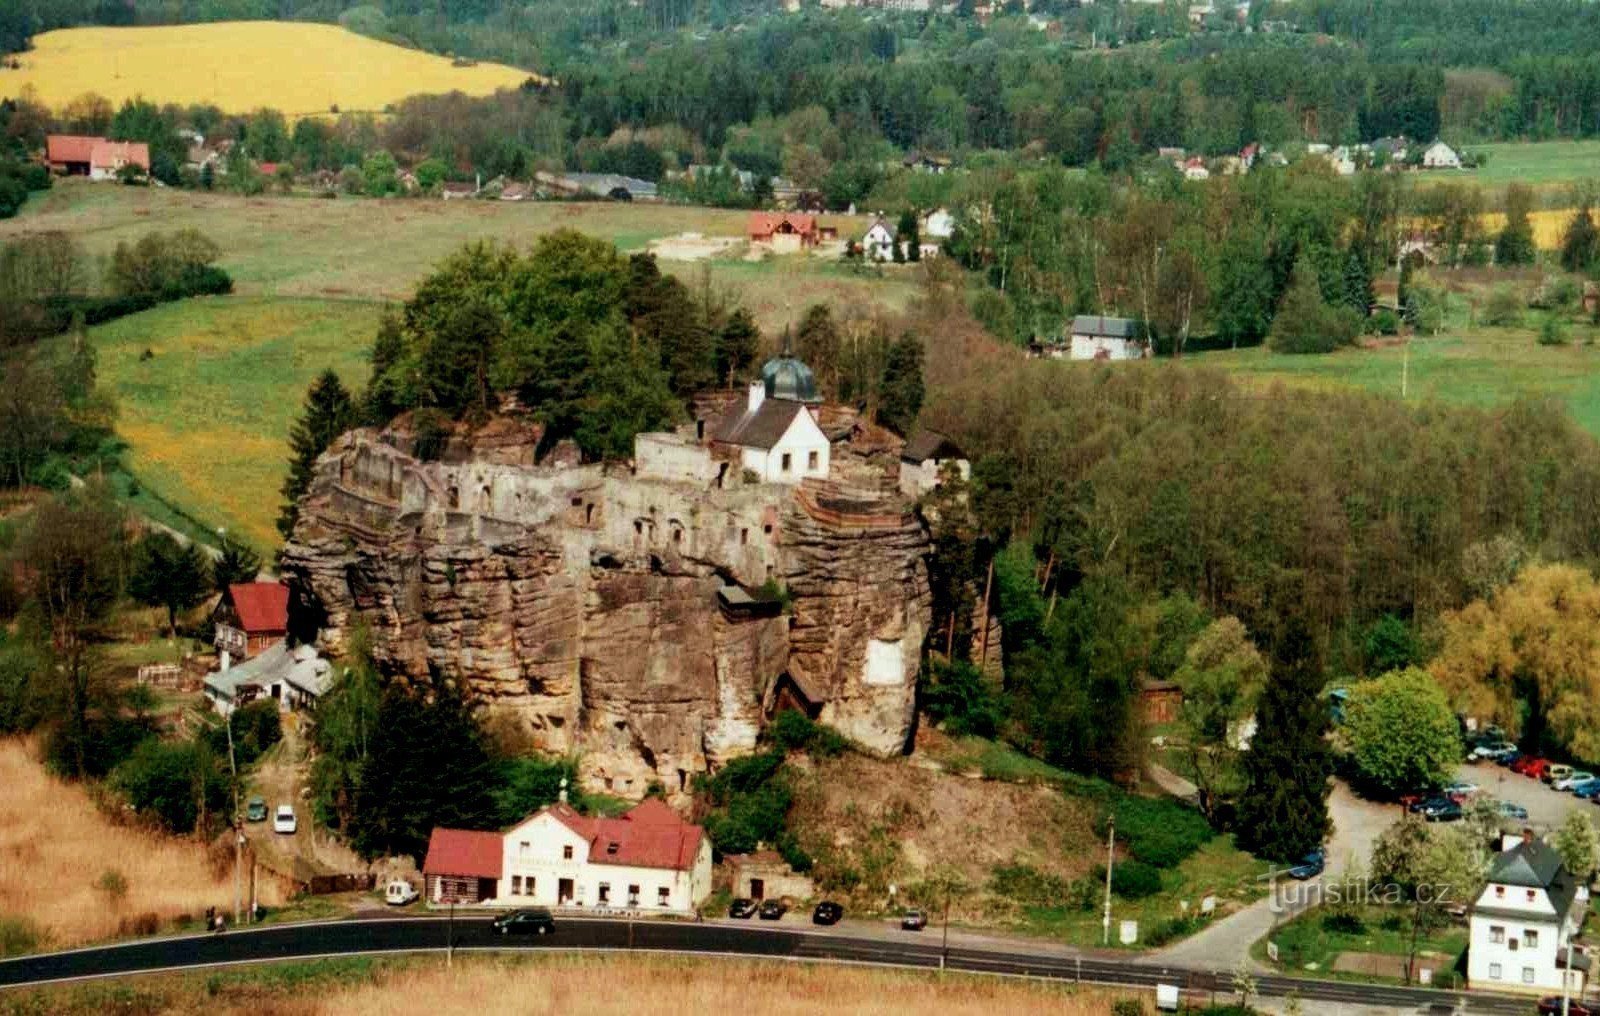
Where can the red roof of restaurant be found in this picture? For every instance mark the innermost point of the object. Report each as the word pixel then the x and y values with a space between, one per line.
pixel 464 852
pixel 651 835
pixel 263 607
pixel 69 147
pixel 111 154
pixel 767 223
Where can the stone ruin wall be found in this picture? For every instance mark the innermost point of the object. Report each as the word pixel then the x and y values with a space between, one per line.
pixel 580 604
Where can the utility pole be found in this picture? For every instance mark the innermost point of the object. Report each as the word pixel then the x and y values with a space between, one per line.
pixel 450 936
pixel 238 833
pixel 1566 982
pixel 1111 847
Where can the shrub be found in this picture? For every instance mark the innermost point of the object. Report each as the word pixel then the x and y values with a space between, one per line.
pixel 1344 922
pixel 430 429
pixel 1385 322
pixel 1127 1007
pixel 17 935
pixel 114 884
pixel 959 698
pixel 1133 879
pixel 794 855
pixel 170 781
pixel 1028 885
pixel 1171 930
pixel 1504 308
pixel 1553 331
pixel 1392 922
pixel 1158 831
pixel 793 730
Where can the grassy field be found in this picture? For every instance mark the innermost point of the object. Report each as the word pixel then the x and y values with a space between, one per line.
pixel 563 984
pixel 1309 946
pixel 55 846
pixel 1542 163
pixel 296 67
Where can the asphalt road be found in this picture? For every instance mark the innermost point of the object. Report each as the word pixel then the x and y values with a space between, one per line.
pixel 300 941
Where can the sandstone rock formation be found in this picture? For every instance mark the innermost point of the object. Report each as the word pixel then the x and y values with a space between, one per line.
pixel 608 612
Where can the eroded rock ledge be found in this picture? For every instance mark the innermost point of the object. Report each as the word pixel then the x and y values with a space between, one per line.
pixel 606 613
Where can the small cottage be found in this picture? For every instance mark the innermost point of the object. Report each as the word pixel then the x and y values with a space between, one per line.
pixel 923 459
pixel 878 243
pixel 1096 337
pixel 250 618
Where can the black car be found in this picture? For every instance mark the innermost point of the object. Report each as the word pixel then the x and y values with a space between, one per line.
pixel 913 920
pixel 771 910
pixel 742 909
pixel 533 921
pixel 1441 809
pixel 827 912
pixel 1551 1006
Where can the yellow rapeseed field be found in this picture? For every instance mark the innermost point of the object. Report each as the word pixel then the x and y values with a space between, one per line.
pixel 300 69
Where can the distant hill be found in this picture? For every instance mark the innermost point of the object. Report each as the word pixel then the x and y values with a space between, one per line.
pixel 298 68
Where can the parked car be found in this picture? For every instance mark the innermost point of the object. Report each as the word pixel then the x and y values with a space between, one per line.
pixel 284 821
pixel 772 910
pixel 1441 809
pixel 913 920
pixel 399 892
pixel 1530 765
pixel 1551 1006
pixel 255 810
pixel 1310 866
pixel 1572 779
pixel 1508 759
pixel 532 921
pixel 827 912
pixel 1505 809
pixel 742 909
pixel 1555 771
pixel 1586 790
pixel 1494 750
pixel 1460 789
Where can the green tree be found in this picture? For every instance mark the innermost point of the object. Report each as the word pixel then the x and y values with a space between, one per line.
pixel 1304 322
pixel 737 343
pixel 328 412
pixel 901 389
pixel 1357 283
pixel 430 173
pixel 458 356
pixel 1283 808
pixel 235 563
pixel 168 574
pixel 1433 869
pixel 1402 732
pixel 347 723
pixel 1390 644
pixel 380 175
pixel 1579 845
pixel 177 782
pixel 1221 676
pixel 817 342
pixel 1515 244
pixel 909 234
pixel 1580 244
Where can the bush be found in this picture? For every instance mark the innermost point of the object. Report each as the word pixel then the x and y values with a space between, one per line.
pixel 1384 322
pixel 1028 885
pixel 1160 832
pixel 793 730
pixel 1344 922
pixel 1133 879
pixel 794 855
pixel 256 727
pixel 1553 331
pixel 17 935
pixel 961 700
pixel 171 781
pixel 1171 930
pixel 1504 309
pixel 1127 1007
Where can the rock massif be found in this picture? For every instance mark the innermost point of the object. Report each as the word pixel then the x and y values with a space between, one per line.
pixel 649 621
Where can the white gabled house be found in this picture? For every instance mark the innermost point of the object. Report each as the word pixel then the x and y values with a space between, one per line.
pixel 878 243
pixel 775 433
pixel 1522 921
pixel 1440 156
pixel 649 859
pixel 937 228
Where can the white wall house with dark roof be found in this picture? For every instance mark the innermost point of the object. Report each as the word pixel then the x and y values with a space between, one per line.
pixel 1522 920
pixel 775 431
pixel 1096 337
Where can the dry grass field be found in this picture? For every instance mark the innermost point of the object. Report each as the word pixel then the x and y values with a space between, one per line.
pixel 580 985
pixel 299 68
pixel 56 844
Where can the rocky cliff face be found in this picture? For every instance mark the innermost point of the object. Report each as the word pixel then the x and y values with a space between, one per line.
pixel 602 612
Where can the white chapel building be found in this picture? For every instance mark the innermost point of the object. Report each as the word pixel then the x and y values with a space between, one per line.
pixel 775 432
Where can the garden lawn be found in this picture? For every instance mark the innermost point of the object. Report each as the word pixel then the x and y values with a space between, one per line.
pixel 207 415
pixel 1539 163
pixel 1308 948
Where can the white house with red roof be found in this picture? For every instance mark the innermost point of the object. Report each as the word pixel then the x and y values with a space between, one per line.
pixel 94 157
pixel 649 859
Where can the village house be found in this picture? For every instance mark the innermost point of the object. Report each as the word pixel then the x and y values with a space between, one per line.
pixel 294 677
pixel 613 186
pixel 1095 337
pixel 937 229
pixel 925 163
pixel 250 618
pixel 1159 701
pixel 94 157
pixel 649 859
pixel 1522 923
pixel 1194 168
pixel 923 459
pixel 878 243
pixel 775 434
pixel 1440 156
pixel 784 232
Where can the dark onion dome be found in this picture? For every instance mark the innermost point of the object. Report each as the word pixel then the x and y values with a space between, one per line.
pixel 785 377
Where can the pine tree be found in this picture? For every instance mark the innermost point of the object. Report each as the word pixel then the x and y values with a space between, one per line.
pixel 817 342
pixel 1514 245
pixel 1357 283
pixel 1304 322
pixel 1283 811
pixel 901 389
pixel 736 346
pixel 1580 245
pixel 236 563
pixel 383 398
pixel 910 235
pixel 328 412
pixel 168 574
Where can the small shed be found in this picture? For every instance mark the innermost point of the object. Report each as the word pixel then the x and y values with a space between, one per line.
pixel 765 875
pixel 1097 337
pixel 1159 701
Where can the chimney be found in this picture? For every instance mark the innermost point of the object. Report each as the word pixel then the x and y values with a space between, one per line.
pixel 758 395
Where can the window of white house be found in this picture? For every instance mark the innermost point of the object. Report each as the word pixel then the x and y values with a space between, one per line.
pixel 1530 895
pixel 527 885
pixel 1512 945
pixel 516 885
pixel 1494 971
pixel 811 460
pixel 1527 975
pixel 1530 938
pixel 1497 934
pixel 603 895
pixel 1499 892
pixel 523 848
pixel 566 852
pixel 788 462
pixel 663 894
pixel 633 896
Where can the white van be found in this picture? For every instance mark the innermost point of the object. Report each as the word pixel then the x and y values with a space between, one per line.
pixel 399 892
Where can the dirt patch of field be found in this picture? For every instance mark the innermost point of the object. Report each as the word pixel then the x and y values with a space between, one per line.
pixel 299 68
pixel 56 844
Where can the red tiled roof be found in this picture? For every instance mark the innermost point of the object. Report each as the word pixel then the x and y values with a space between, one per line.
pixel 651 835
pixel 69 147
pixel 767 223
pixel 464 852
pixel 111 154
pixel 263 607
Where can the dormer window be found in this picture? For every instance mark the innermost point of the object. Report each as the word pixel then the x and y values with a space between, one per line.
pixel 611 847
pixel 1499 892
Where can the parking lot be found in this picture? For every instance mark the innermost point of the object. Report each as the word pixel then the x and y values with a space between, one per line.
pixel 1547 808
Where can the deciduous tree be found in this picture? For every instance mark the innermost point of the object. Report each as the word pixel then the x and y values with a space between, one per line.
pixel 1402 732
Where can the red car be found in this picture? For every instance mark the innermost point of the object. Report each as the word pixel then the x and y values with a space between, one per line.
pixel 1551 1006
pixel 1531 766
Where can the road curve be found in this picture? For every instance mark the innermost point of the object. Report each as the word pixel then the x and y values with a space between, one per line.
pixel 393 935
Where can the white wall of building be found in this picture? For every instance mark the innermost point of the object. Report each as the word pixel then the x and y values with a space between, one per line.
pixel 1090 347
pixel 917 478
pixel 535 854
pixel 803 449
pixel 1515 953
